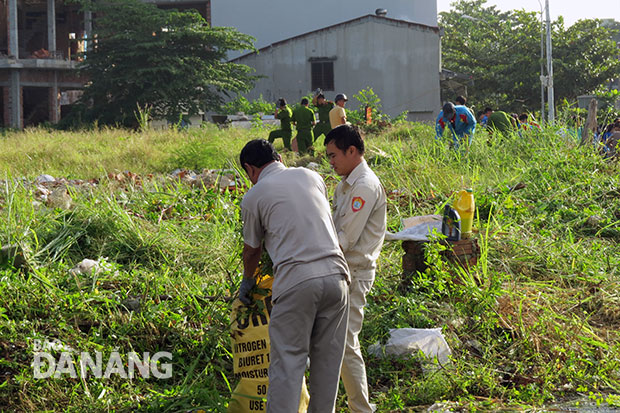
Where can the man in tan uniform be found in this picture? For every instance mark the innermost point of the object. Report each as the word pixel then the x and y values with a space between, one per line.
pixel 288 210
pixel 338 116
pixel 359 213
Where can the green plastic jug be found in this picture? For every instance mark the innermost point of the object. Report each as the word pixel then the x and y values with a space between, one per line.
pixel 466 207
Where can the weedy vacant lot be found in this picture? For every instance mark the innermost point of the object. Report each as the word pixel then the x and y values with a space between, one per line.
pixel 535 323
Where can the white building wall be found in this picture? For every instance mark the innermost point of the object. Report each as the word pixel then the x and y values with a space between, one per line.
pixel 270 21
pixel 399 61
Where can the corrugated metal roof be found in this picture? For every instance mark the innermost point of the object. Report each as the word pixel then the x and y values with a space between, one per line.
pixel 381 19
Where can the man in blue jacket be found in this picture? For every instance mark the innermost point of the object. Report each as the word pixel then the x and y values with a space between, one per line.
pixel 459 120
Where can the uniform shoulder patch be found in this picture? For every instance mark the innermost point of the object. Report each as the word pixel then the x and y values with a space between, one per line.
pixel 357 203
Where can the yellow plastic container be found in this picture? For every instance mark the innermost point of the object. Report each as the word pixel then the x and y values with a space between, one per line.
pixel 466 207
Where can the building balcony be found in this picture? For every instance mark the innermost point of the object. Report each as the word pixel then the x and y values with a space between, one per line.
pixel 49 63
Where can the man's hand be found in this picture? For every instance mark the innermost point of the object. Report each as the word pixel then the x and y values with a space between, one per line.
pixel 244 290
pixel 251 257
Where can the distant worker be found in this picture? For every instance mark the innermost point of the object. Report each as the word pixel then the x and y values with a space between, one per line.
pixel 462 101
pixel 359 213
pixel 304 119
pixel 525 123
pixel 338 116
pixel 284 113
pixel 499 121
pixel 482 118
pixel 611 144
pixel 459 120
pixel 324 107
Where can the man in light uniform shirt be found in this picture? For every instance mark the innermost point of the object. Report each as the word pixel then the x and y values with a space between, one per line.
pixel 288 209
pixel 338 116
pixel 359 213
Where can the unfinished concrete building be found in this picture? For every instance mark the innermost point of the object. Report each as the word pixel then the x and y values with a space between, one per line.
pixel 41 42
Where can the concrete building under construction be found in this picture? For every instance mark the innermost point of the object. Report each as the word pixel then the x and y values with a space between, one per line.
pixel 41 44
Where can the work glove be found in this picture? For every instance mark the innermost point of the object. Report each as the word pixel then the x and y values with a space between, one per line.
pixel 244 290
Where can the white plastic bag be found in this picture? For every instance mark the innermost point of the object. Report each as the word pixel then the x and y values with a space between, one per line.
pixel 408 341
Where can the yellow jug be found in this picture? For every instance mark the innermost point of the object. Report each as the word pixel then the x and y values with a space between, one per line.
pixel 466 207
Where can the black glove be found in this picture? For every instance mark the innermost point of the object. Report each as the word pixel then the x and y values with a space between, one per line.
pixel 244 290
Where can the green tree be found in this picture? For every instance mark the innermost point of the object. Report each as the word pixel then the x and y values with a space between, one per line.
pixel 585 57
pixel 169 61
pixel 501 53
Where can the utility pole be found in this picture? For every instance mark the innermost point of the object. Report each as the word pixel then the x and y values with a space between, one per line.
pixel 550 99
pixel 543 79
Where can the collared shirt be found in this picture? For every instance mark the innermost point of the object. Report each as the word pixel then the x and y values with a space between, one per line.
pixel 304 118
pixel 500 121
pixel 288 209
pixel 336 115
pixel 360 218
pixel 324 110
pixel 285 114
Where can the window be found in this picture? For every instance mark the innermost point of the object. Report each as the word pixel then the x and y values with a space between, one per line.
pixel 323 75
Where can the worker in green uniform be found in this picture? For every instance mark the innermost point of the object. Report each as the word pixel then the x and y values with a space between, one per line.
pixel 324 106
pixel 304 119
pixel 284 113
pixel 499 121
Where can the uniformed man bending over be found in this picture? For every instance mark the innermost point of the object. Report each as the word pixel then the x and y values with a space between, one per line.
pixel 324 107
pixel 284 113
pixel 288 210
pixel 304 119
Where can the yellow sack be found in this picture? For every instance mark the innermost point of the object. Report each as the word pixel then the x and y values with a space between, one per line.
pixel 250 348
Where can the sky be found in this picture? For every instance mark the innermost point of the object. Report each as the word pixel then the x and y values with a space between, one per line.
pixel 571 10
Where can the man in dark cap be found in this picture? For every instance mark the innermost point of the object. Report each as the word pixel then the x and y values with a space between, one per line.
pixel 338 116
pixel 459 120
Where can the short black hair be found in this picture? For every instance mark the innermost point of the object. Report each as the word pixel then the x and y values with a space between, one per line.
pixel 345 136
pixel 258 153
pixel 523 117
pixel 488 109
pixel 304 101
pixel 320 95
pixel 448 109
pixel 461 100
pixel 281 102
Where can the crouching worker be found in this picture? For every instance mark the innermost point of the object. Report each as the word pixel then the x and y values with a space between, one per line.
pixel 288 209
pixel 459 121
pixel 284 113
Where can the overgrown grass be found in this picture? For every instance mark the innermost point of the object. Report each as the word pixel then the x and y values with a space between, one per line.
pixel 94 153
pixel 535 322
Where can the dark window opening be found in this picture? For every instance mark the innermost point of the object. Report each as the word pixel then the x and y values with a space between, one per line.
pixel 323 75
pixel 36 105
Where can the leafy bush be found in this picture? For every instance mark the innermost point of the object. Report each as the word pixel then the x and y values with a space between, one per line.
pixel 369 99
pixel 242 104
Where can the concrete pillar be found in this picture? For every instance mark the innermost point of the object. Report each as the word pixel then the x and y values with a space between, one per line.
pixel 51 26
pixel 88 29
pixel 13 45
pixel 6 116
pixel 15 101
pixel 54 101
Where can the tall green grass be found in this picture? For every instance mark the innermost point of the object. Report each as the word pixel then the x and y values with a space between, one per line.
pixel 536 321
pixel 94 153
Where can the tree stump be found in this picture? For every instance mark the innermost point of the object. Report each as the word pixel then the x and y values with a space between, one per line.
pixel 591 125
